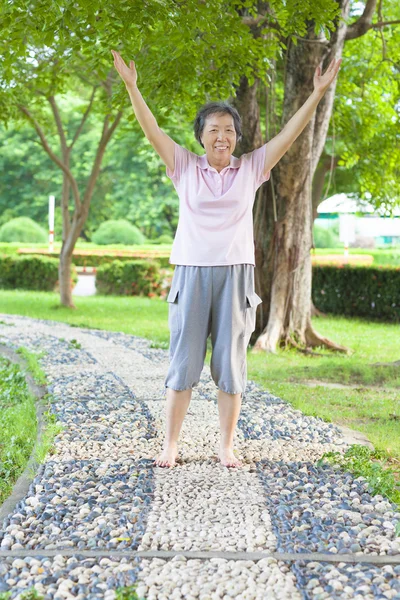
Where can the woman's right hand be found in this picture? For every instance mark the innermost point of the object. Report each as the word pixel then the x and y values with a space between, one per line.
pixel 129 75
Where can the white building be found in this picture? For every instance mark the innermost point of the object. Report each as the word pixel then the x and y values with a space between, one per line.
pixel 360 224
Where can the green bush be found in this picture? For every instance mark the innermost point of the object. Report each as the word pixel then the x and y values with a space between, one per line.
pixel 357 291
pixel 30 273
pixel 164 239
pixel 326 237
pixel 9 248
pixel 118 231
pixel 22 229
pixel 129 278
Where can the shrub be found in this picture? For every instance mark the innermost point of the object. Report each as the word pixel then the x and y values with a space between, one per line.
pixel 326 237
pixel 30 273
pixel 165 238
pixel 118 231
pixel 22 229
pixel 129 278
pixel 372 292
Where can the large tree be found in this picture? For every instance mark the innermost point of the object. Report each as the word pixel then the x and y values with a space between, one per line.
pixel 186 56
pixel 283 212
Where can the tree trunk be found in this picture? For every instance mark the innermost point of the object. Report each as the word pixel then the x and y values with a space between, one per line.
pixel 282 248
pixel 72 229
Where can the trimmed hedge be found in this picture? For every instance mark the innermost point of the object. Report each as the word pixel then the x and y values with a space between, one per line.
pixel 357 291
pixel 95 260
pixel 30 273
pixel 129 278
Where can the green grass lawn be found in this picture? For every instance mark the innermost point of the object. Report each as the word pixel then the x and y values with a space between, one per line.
pixel 373 407
pixel 17 425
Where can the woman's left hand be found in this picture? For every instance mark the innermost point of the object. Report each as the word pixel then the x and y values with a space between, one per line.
pixel 322 82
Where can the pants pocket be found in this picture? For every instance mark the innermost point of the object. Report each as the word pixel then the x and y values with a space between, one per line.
pixel 174 317
pixel 252 301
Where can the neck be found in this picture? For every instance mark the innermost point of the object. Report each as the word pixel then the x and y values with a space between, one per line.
pixel 218 165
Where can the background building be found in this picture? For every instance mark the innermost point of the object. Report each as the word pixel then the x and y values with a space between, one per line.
pixel 360 224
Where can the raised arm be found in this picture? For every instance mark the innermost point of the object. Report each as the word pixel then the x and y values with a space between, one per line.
pixel 161 142
pixel 279 144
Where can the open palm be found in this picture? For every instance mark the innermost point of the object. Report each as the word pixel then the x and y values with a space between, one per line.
pixel 128 74
pixel 322 82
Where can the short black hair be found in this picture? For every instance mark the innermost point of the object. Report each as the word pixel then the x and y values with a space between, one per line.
pixel 219 108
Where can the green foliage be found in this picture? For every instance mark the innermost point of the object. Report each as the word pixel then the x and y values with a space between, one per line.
pixel 127 593
pixel 17 425
pixel 131 278
pixel 30 594
pixel 63 50
pixel 22 229
pixel 11 248
pixel 34 367
pixel 382 256
pixel 371 292
pixel 164 239
pixel 359 460
pixel 118 231
pixel 325 237
pixel 75 344
pixel 86 259
pixel 30 272
pixel 366 116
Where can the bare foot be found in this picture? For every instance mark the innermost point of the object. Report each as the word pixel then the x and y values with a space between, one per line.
pixel 228 459
pixel 167 457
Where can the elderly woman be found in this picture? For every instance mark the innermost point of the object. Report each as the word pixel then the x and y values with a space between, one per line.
pixel 212 288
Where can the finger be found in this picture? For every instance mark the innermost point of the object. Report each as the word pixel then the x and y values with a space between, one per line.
pixel 331 65
pixel 336 69
pixel 119 59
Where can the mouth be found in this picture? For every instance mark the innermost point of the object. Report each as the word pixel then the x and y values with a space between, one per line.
pixel 221 148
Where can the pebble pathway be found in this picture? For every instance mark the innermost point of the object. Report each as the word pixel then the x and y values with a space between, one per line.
pixel 99 491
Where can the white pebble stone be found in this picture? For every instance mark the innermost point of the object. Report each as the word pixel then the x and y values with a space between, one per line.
pixel 337 585
pixel 18 563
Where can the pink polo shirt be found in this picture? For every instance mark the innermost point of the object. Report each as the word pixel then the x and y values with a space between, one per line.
pixel 215 224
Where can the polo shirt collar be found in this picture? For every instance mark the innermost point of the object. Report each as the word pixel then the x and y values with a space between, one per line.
pixel 203 163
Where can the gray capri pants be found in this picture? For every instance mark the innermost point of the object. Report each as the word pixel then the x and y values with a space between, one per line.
pixel 220 300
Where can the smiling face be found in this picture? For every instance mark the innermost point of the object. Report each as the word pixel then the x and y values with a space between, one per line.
pixel 219 138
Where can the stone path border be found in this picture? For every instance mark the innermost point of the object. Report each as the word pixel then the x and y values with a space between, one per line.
pixel 165 554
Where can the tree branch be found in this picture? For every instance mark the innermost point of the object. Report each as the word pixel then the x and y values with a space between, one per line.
pixel 85 116
pixel 361 26
pixel 53 156
pixel 57 119
pixel 384 23
pixel 105 138
pixel 364 23
pixel 352 34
